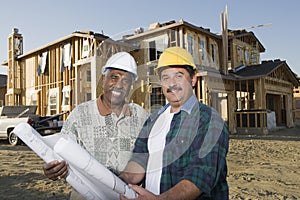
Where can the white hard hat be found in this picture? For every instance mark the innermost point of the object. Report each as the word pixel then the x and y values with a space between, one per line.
pixel 123 61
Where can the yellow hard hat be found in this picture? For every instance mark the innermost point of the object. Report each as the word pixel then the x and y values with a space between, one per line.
pixel 175 56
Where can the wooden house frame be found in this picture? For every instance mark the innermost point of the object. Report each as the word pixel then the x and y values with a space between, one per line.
pixel 244 90
pixel 264 89
pixel 60 75
pixel 222 85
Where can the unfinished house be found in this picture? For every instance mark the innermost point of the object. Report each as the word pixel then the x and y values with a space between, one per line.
pixel 245 91
pixel 265 96
pixel 212 87
pixel 250 95
pixel 264 89
pixel 60 75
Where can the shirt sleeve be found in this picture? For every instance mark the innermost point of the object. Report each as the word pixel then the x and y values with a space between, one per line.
pixel 70 125
pixel 140 153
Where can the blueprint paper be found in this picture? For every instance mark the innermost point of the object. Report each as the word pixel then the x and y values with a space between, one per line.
pixel 86 175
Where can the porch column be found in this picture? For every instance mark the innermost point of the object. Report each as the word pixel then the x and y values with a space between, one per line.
pixel 94 77
pixel 76 88
pixel 289 110
pixel 181 39
pixel 231 101
pixel 260 96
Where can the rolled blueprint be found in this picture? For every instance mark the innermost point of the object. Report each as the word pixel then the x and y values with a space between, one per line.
pixel 86 175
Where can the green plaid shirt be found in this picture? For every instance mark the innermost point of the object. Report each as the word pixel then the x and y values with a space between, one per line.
pixel 195 150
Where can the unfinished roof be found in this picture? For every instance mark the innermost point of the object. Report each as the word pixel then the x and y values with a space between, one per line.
pixel 212 72
pixel 84 34
pixel 262 70
pixel 157 27
pixel 245 36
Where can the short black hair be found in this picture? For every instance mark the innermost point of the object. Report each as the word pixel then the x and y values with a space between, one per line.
pixel 189 68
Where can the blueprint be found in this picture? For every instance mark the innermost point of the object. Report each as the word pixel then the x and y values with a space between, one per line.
pixel 86 175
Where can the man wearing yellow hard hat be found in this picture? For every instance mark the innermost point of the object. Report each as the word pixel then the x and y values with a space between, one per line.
pixel 181 150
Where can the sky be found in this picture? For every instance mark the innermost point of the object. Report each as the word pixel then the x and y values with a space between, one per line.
pixel 44 21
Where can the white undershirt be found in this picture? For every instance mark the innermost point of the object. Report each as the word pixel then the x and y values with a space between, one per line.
pixel 156 145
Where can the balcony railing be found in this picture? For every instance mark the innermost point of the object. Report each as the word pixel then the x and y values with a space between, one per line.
pixel 254 119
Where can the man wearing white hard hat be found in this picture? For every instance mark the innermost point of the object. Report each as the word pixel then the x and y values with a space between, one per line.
pixel 107 127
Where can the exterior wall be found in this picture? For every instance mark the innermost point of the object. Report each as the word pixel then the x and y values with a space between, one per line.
pixel 259 88
pixel 2 95
pixel 284 101
pixel 211 53
pixel 40 88
pixel 52 89
pixel 296 103
pixel 290 122
pixel 220 95
pixel 15 48
pixel 239 51
pixel 202 51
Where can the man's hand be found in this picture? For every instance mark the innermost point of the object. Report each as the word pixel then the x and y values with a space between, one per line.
pixel 185 189
pixel 56 170
pixel 142 194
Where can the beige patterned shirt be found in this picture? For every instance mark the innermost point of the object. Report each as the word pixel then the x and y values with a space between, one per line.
pixel 109 138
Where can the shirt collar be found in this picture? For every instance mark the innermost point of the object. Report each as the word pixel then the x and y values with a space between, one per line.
pixel 187 106
pixel 104 110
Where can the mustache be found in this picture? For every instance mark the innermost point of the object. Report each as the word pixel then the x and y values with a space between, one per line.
pixel 116 90
pixel 172 89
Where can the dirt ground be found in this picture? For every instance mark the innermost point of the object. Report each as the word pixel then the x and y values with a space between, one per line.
pixel 259 167
pixel 265 167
